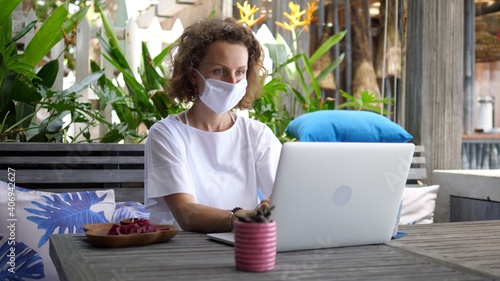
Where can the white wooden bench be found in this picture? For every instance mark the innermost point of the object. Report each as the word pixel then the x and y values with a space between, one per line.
pixel 76 167
pixel 418 169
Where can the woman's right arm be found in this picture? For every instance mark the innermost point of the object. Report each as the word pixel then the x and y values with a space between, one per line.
pixel 192 216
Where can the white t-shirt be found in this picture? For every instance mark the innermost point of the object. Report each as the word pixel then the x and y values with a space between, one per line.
pixel 220 169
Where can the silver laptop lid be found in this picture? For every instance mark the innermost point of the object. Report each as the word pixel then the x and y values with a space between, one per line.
pixel 338 194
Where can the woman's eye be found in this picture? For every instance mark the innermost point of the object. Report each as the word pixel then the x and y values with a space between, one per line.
pixel 240 72
pixel 218 71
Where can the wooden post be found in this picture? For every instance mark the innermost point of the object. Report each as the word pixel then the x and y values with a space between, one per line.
pixel 155 34
pixel 434 80
pixel 29 36
pixel 56 53
pixel 108 72
pixel 348 47
pixel 82 56
pixel 82 69
pixel 336 52
pixel 469 64
pixel 227 8
pixel 133 46
pixel 176 31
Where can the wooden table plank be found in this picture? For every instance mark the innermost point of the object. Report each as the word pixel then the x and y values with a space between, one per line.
pixel 430 252
pixel 74 263
pixel 470 246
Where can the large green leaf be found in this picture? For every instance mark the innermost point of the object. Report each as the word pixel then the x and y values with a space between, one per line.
pixel 137 90
pixel 114 51
pixel 94 67
pixel 84 83
pixel 122 66
pixel 3 71
pixel 24 91
pixel 277 52
pixel 24 114
pixel 8 6
pixel 47 74
pixel 8 115
pixel 21 34
pixel 12 61
pixel 330 67
pixel 73 21
pixel 110 94
pixel 161 56
pixel 52 124
pixel 51 33
pixel 314 83
pixel 161 102
pixel 150 77
pixel 47 37
pixel 325 47
pixel 5 34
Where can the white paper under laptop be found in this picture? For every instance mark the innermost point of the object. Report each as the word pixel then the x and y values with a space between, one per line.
pixel 337 194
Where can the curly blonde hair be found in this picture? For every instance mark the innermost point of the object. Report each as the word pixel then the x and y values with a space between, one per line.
pixel 191 48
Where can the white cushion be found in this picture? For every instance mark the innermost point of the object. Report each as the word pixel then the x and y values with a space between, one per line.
pixel 40 214
pixel 418 204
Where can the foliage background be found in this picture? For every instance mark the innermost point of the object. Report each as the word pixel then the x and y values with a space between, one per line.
pixel 291 89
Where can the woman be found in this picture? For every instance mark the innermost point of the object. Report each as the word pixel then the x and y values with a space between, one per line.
pixel 206 164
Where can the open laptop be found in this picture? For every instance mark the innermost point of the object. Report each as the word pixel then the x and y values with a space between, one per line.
pixel 336 194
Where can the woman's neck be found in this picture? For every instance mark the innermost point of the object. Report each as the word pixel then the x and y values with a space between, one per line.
pixel 206 120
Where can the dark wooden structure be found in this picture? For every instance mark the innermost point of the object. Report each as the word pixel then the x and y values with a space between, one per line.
pixel 76 167
pixel 434 81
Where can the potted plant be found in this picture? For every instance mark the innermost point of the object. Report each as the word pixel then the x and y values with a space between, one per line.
pixel 255 241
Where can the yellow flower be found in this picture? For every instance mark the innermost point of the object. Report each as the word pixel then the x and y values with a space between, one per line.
pixel 247 14
pixel 285 26
pixel 311 8
pixel 296 14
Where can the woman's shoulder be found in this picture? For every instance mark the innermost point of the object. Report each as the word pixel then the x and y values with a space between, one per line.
pixel 168 123
pixel 244 117
pixel 254 125
pixel 249 122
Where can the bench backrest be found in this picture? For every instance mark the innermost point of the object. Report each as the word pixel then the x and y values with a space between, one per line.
pixel 74 167
pixel 63 167
pixel 418 169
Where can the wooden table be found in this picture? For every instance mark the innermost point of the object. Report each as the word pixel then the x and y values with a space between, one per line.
pixel 441 251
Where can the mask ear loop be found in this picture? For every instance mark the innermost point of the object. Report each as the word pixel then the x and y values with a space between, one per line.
pixel 195 85
pixel 201 75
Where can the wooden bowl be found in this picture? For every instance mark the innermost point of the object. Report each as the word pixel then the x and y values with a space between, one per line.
pixel 97 234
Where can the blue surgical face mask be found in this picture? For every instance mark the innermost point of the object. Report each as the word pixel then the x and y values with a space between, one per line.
pixel 221 96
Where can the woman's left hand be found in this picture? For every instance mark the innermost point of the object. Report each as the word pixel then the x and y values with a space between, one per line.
pixel 265 203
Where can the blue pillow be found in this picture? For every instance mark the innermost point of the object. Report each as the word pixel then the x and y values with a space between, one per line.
pixel 40 214
pixel 346 126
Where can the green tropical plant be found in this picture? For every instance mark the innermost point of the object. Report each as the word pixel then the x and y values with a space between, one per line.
pixel 262 215
pixel 366 101
pixel 24 92
pixel 293 85
pixel 140 101
pixel 301 79
pixel 295 88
